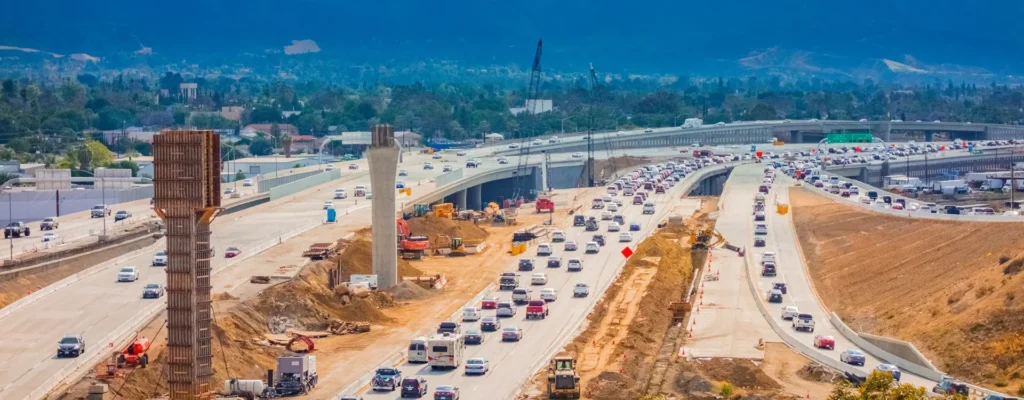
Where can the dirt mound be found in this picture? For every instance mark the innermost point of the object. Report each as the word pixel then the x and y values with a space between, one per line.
pixel 225 296
pixel 738 372
pixel 689 382
pixel 310 304
pixel 817 373
pixel 406 291
pixel 869 268
pixel 611 386
pixel 357 258
pixel 431 226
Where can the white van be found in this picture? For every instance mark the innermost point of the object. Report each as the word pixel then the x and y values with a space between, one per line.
pixel 418 350
pixel 471 314
pixel 339 193
pixel 982 211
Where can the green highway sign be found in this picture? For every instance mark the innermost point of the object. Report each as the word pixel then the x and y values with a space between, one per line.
pixel 849 138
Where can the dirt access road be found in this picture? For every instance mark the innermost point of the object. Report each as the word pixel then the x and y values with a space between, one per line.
pixel 954 289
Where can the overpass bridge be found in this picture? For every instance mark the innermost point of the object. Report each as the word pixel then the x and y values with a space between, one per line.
pixel 809 131
pixel 931 168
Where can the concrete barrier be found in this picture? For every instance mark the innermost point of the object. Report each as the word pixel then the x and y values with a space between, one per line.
pixel 926 371
pixel 293 187
pixel 448 177
pixel 266 184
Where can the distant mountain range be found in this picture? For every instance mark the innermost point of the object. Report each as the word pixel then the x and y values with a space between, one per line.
pixel 871 38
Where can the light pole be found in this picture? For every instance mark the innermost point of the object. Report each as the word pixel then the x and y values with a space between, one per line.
pixel 563 124
pixel 675 119
pixel 627 117
pixel 103 189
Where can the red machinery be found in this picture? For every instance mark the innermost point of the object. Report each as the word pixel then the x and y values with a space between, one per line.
pixel 410 247
pixel 545 203
pixel 300 338
pixel 136 354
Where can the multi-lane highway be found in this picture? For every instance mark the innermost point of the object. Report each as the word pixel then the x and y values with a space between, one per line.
pixel 511 363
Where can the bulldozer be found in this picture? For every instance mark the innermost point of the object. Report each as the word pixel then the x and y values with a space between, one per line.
pixel 563 381
pixel 702 240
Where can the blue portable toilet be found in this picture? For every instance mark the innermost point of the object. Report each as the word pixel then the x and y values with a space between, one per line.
pixel 332 215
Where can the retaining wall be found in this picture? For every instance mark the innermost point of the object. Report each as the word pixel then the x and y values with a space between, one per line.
pixel 34 205
pixel 299 185
pixel 265 185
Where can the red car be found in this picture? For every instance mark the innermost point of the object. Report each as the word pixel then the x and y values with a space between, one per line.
pixel 489 303
pixel 232 252
pixel 825 342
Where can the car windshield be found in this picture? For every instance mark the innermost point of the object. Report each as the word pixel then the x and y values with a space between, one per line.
pixel 445 388
pixel 152 286
pixel 69 340
pixel 128 269
pixel 161 254
pixel 475 361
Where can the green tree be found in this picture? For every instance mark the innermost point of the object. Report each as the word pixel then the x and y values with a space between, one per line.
pixel 98 155
pixel 265 114
pixel 882 386
pixel 286 145
pixel 260 147
pixel 239 175
pixel 275 132
pixel 125 164
pixel 84 158
pixel 726 390
pixel 7 153
pixel 6 176
pixel 762 112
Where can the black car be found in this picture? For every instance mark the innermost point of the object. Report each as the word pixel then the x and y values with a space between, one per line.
pixel 554 262
pixel 525 264
pixel 448 327
pixel 599 239
pixel 579 220
pixel 474 336
pixel 780 286
pixel 759 241
pixel 490 324
pixel 414 386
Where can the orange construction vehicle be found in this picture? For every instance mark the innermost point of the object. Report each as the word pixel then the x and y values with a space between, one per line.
pixel 136 354
pixel 410 247
pixel 545 203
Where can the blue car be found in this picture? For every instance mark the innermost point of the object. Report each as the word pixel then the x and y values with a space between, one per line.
pixel 400 185
pixel 892 369
pixel 634 226
pixel 852 357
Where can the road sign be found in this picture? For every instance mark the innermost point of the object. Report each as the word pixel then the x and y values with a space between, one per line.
pixel 626 252
pixel 753 148
pixel 849 138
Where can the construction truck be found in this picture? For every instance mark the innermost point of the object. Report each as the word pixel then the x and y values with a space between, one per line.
pixel 296 374
pixel 544 203
pixel 410 247
pixel 563 381
pixel 321 251
pixel 444 210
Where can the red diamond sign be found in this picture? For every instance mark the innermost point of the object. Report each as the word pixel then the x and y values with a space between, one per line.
pixel 626 252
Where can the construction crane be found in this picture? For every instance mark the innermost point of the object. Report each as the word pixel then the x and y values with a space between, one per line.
pixel 532 98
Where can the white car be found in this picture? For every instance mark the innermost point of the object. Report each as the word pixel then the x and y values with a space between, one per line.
pixel 790 312
pixel 403 172
pixel 625 237
pixel 914 207
pixel 50 237
pixel 544 249
pixel 160 259
pixel 768 257
pixel 865 200
pixel 593 247
pixel 581 290
pixel 476 366
pixel 471 314
pixel 539 279
pixel 613 226
pixel 760 229
pixel 648 208
pixel 328 204
pixel 612 207
pixel 558 236
pixel 606 215
pixel 247 182
pixel 548 294
pixel 128 274
pixel 574 264
pixel 340 193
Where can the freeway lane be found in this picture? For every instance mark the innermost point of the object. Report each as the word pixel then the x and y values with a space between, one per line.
pixel 98 305
pixel 514 362
pixel 782 240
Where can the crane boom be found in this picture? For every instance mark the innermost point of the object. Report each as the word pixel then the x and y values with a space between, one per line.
pixel 532 95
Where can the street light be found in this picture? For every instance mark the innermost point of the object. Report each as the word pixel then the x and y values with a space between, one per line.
pixel 675 119
pixel 563 124
pixel 627 117
pixel 103 188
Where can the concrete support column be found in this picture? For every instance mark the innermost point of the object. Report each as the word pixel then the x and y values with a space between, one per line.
pixel 460 199
pixel 796 136
pixel 928 136
pixel 383 158
pixel 475 198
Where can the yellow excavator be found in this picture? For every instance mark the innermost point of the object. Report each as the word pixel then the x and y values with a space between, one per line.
pixel 702 240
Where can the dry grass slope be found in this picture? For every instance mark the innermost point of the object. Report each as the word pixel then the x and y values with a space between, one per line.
pixel 952 288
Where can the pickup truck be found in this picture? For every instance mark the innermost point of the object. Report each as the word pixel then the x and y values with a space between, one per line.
pixel 521 296
pixel 597 204
pixel 581 290
pixel 99 211
pixel 387 379
pixel 16 229
pixel 509 281
pixel 49 224
pixel 537 308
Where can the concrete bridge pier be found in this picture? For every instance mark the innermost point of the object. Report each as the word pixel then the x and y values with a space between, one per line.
pixel 928 136
pixel 475 199
pixel 460 199
pixel 796 136
pixel 383 157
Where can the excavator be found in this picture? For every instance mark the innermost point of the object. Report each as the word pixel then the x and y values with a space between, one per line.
pixel 702 240
pixel 410 247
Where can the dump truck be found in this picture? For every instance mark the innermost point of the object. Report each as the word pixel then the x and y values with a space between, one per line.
pixel 563 381
pixel 321 251
pixel 444 210
pixel 296 374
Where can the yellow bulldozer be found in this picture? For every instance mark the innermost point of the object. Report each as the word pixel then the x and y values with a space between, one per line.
pixel 563 381
pixel 444 210
pixel 705 239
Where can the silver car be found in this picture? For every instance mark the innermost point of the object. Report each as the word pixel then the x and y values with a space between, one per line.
pixel 477 366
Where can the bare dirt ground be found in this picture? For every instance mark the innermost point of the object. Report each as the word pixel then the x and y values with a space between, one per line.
pixel 794 373
pixel 616 353
pixel 954 289
pixel 240 346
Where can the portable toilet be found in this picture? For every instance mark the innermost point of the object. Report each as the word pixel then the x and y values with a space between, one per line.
pixel 332 215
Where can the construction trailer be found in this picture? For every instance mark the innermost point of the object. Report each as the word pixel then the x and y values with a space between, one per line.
pixel 187 196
